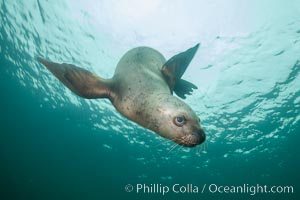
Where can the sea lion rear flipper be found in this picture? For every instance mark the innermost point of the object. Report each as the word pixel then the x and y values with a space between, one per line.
pixel 80 81
pixel 173 70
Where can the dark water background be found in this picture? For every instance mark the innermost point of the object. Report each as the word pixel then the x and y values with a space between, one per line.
pixel 54 145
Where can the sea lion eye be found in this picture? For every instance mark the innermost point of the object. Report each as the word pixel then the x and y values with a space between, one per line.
pixel 179 120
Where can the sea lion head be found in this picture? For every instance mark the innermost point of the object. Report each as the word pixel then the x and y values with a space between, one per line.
pixel 176 121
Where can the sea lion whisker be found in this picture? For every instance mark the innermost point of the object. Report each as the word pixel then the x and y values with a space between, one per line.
pixel 190 141
pixel 170 149
pixel 181 147
pixel 176 146
pixel 199 149
pixel 165 141
pixel 205 146
pixel 173 147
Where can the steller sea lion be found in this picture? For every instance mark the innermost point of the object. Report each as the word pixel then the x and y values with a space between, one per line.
pixel 141 90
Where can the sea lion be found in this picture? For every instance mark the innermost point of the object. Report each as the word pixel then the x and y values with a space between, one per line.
pixel 141 90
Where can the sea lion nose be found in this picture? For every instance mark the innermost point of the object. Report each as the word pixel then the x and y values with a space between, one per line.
pixel 201 136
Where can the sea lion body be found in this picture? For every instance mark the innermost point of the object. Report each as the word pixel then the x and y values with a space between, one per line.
pixel 139 72
pixel 141 90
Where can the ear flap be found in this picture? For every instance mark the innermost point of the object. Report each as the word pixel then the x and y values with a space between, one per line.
pixel 173 70
pixel 80 81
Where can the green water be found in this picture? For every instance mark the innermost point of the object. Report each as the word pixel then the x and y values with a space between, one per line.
pixel 55 145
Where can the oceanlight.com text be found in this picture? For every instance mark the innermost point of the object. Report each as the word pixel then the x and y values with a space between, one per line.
pixel 156 188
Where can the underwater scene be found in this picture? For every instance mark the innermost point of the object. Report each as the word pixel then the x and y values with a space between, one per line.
pixel 57 145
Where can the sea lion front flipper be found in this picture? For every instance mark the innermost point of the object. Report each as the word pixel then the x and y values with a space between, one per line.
pixel 175 67
pixel 183 88
pixel 80 81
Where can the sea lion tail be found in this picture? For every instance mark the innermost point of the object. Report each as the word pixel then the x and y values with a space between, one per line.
pixel 80 81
